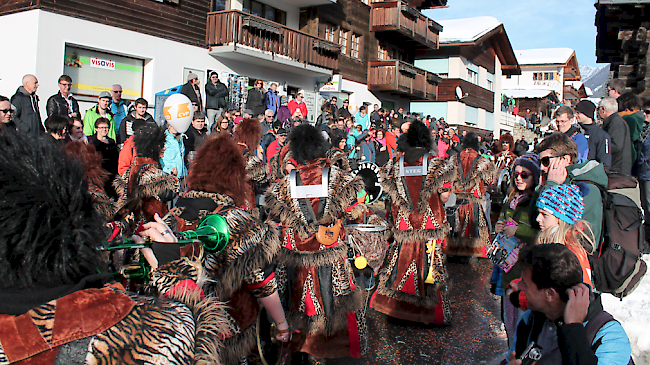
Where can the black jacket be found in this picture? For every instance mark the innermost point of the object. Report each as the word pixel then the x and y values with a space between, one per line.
pixel 110 153
pixel 621 147
pixel 255 101
pixel 28 115
pixel 188 90
pixel 215 95
pixel 56 104
pixel 343 112
pixel 126 127
pixel 599 144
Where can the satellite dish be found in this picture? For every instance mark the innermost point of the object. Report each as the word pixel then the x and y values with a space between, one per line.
pixel 459 93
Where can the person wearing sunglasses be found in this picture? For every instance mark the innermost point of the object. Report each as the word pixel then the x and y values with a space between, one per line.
pixel 6 115
pixel 256 96
pixel 506 156
pixel 558 156
pixel 63 103
pixel 514 220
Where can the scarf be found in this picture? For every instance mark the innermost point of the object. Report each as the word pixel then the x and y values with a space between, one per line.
pixel 381 141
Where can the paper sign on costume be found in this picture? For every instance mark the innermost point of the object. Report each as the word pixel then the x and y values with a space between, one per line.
pixel 504 251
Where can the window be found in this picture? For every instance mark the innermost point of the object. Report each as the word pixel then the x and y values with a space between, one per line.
pixel 343 41
pixel 261 10
pixel 386 52
pixel 218 5
pixel 508 77
pixel 490 85
pixel 329 32
pixel 472 77
pixel 356 46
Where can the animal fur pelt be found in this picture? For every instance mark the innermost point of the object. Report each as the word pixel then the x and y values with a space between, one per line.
pixel 339 159
pixel 256 169
pixel 278 163
pixel 152 180
pixel 467 176
pixel 342 193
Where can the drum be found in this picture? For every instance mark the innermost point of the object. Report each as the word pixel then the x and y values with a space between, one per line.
pixel 368 242
pixel 369 173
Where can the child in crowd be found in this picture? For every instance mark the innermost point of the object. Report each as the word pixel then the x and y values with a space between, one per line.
pixel 515 221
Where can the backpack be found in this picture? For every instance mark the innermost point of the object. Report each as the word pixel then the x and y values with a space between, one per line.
pixel 617 266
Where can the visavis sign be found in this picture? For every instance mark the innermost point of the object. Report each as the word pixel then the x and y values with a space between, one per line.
pixel 99 63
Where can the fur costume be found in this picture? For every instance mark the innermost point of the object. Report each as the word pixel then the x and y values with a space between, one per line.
pixel 505 159
pixel 247 135
pixel 53 304
pixel 339 159
pixel 420 230
pixel 317 280
pixel 238 275
pixel 472 172
pixel 279 161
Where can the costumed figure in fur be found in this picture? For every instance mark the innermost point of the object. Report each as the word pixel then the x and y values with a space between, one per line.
pixel 57 304
pixel 337 154
pixel 242 275
pixel 281 163
pixel 506 156
pixel 413 281
pixel 472 173
pixel 148 187
pixel 247 135
pixel 314 274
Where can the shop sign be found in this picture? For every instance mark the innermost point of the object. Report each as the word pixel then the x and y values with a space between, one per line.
pixel 100 63
pixel 334 85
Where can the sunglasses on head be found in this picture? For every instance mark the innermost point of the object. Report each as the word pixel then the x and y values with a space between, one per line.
pixel 524 174
pixel 546 160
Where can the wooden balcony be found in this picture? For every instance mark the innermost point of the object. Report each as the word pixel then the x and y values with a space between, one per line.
pixel 280 43
pixel 402 78
pixel 400 22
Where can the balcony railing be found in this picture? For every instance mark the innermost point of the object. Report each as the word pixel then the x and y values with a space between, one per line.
pixel 401 77
pixel 401 17
pixel 233 27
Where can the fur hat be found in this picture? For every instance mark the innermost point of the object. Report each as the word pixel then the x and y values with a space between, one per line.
pixel 249 133
pixel 307 143
pixel 149 141
pixel 90 159
pixel 419 135
pixel 471 141
pixel 531 162
pixel 507 137
pixel 50 232
pixel 219 167
pixel 564 201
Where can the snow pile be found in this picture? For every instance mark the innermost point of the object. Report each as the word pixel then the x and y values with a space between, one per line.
pixel 634 315
pixel 466 30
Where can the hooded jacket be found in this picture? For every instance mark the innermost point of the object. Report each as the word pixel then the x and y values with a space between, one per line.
pixel 91 117
pixel 174 155
pixel 27 116
pixel 126 129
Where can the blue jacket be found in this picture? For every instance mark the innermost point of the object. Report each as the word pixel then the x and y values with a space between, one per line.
pixel 581 141
pixel 364 121
pixel 367 151
pixel 120 111
pixel 272 101
pixel 564 344
pixel 174 155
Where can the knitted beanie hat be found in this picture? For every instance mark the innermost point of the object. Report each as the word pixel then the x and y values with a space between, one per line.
pixel 531 162
pixel 564 201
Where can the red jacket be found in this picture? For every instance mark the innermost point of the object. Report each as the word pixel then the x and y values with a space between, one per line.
pixel 272 149
pixel 127 155
pixel 391 143
pixel 293 105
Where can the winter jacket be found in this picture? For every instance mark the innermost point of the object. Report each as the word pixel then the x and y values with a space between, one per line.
pixel 215 95
pixel 58 105
pixel 635 123
pixel 109 151
pixel 599 144
pixel 442 149
pixel 91 117
pixel 581 141
pixel 293 105
pixel 391 143
pixel 362 120
pixel 643 161
pixel 591 172
pixel 265 127
pixel 195 139
pixel 27 116
pixel 272 100
pixel 120 111
pixel 283 113
pixel 255 101
pixel 127 155
pixel 189 91
pixel 621 146
pixel 568 343
pixel 127 129
pixel 273 148
pixel 174 155
pixel 367 152
pixel 343 112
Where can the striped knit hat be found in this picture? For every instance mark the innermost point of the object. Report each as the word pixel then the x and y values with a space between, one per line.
pixel 564 201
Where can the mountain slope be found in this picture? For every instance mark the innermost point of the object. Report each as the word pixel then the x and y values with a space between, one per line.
pixel 595 78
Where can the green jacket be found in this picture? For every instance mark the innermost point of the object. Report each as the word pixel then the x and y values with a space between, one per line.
pixel 526 232
pixel 589 172
pixel 635 122
pixel 91 117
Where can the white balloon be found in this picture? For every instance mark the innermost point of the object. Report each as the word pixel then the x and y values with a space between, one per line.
pixel 178 111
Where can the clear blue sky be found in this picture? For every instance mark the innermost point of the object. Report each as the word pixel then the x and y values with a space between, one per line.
pixel 535 23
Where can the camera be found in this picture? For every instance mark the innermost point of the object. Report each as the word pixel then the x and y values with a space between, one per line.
pixel 531 354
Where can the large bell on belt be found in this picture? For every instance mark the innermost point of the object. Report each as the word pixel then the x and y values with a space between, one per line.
pixel 212 231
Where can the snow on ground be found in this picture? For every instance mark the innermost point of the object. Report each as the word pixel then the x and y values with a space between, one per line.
pixel 634 314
